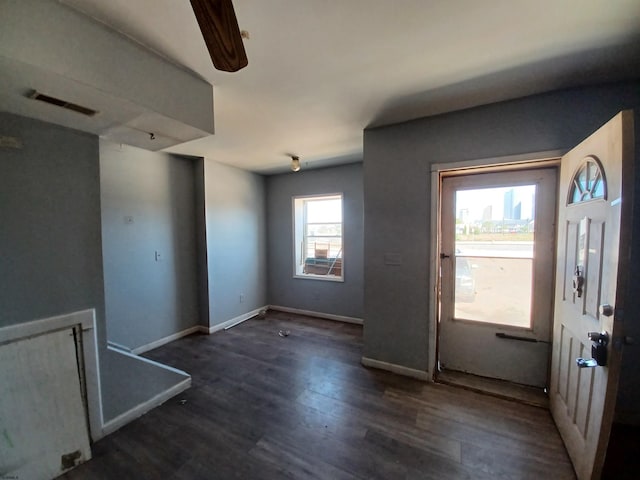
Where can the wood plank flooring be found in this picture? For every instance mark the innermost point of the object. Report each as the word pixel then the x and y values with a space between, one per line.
pixel 263 406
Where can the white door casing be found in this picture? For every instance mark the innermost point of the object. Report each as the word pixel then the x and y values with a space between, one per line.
pixel 594 222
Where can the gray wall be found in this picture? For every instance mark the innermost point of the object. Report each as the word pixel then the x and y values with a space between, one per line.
pixel 50 246
pixel 397 162
pixel 236 241
pixel 337 298
pixel 51 260
pixel 148 299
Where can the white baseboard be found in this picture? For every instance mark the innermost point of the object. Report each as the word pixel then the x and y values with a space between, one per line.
pixel 399 369
pixel 148 360
pixel 229 324
pixel 196 328
pixel 233 321
pixel 310 313
pixel 126 417
pixel 163 341
pixel 118 346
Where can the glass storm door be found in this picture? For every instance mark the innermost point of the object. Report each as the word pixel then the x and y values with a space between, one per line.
pixel 497 255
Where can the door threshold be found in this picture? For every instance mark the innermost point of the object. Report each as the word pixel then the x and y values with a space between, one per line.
pixel 497 388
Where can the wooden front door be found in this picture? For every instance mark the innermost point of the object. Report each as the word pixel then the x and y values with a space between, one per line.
pixel 594 223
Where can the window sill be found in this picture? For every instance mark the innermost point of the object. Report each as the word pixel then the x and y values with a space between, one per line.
pixel 325 278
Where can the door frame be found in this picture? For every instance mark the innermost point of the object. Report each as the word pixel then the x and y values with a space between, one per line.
pixel 484 165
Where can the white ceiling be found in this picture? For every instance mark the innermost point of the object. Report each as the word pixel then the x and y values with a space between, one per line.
pixel 320 71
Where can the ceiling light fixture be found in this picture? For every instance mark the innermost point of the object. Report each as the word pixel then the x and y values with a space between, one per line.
pixel 295 163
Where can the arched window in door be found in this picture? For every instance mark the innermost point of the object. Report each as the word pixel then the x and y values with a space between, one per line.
pixel 588 183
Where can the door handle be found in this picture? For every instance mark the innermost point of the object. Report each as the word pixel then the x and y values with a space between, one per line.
pixel 578 281
pixel 586 362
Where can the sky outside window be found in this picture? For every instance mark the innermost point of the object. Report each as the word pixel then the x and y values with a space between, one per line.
pixel 324 211
pixel 476 204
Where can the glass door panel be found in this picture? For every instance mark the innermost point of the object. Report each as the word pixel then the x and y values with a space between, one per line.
pixel 494 240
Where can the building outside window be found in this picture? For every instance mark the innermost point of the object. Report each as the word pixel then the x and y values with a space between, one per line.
pixel 318 232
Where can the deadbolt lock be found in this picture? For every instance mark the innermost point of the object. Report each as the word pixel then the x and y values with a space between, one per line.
pixel 599 342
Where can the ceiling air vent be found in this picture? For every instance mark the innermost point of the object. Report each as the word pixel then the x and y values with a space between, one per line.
pixel 62 103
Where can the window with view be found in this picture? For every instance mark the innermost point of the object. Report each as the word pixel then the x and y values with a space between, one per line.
pixel 318 237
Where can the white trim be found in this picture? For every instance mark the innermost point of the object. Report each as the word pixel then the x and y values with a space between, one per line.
pixel 309 313
pixel 298 254
pixel 226 325
pixel 394 368
pixel 19 331
pixel 118 346
pixel 233 322
pixel 157 400
pixel 139 410
pixel 161 341
pixel 434 258
pixel 319 196
pixel 324 278
pixel 507 160
pixel 87 320
pixel 149 361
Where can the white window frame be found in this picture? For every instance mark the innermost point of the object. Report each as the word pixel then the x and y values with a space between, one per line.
pixel 299 232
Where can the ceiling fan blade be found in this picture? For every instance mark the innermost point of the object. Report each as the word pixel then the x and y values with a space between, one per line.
pixel 219 27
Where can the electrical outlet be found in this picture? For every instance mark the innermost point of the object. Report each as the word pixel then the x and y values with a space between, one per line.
pixel 158 256
pixel 241 297
pixel 128 219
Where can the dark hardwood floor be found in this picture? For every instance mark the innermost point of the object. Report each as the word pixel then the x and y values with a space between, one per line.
pixel 302 406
